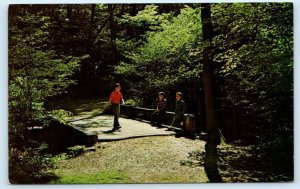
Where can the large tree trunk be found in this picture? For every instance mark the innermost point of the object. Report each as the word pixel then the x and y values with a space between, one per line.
pixel 69 11
pixel 93 10
pixel 208 73
pixel 213 136
pixel 113 33
pixel 91 29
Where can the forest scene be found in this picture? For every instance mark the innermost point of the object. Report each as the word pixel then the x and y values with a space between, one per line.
pixel 231 62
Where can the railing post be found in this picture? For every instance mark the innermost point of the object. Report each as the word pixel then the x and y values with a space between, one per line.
pixel 189 124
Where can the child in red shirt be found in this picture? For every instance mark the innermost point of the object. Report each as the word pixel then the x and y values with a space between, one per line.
pixel 115 99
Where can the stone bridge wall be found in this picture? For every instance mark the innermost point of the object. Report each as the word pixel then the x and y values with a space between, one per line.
pixel 191 123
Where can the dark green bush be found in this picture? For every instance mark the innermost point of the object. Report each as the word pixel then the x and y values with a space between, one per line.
pixel 29 166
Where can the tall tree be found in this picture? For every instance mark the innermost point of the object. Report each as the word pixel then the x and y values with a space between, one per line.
pixel 208 74
pixel 213 138
pixel 113 33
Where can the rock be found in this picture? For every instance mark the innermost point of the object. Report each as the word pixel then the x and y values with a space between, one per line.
pixel 92 149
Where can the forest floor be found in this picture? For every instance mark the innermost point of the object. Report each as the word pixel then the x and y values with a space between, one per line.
pixel 167 159
pixel 140 160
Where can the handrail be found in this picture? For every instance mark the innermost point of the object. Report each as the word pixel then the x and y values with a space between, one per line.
pixel 189 121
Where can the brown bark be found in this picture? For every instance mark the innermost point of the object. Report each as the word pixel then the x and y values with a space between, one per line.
pixel 93 10
pixel 69 11
pixel 113 33
pixel 208 71
pixel 91 28
pixel 213 137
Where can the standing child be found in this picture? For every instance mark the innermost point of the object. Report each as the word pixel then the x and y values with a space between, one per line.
pixel 115 99
pixel 179 110
pixel 161 107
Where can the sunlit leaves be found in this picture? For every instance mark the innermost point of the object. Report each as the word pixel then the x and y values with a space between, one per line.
pixel 170 54
pixel 148 17
pixel 174 38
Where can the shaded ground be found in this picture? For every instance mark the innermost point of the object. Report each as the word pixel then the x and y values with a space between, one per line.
pixel 246 164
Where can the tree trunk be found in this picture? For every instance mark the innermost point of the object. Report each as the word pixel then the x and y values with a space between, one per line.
pixel 91 28
pixel 208 71
pixel 213 136
pixel 93 9
pixel 113 34
pixel 69 11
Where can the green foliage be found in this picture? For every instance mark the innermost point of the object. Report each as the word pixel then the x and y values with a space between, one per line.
pixel 255 61
pixel 148 17
pixel 75 151
pixel 59 157
pixel 176 36
pixel 60 115
pixel 36 72
pixel 169 55
pixel 133 102
pixel 29 166
pixel 71 152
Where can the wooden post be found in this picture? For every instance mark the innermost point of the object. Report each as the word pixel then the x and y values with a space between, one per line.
pixel 189 124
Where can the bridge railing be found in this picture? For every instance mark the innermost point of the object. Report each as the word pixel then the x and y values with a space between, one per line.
pixel 189 121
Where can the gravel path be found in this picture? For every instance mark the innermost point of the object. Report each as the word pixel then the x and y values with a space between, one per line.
pixel 143 160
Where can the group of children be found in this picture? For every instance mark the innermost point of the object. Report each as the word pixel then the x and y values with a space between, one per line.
pixel 116 99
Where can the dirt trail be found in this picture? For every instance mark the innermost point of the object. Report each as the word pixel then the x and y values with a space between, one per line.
pixel 143 160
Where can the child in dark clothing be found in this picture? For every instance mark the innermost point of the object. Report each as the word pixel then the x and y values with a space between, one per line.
pixel 160 109
pixel 179 110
